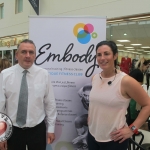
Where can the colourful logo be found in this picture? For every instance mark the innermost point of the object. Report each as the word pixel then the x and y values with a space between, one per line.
pixel 84 32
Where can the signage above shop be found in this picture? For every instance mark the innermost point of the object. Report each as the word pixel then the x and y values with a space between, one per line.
pixel 9 43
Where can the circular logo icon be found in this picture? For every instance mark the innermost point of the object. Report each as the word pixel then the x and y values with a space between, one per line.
pixel 6 127
pixel 84 32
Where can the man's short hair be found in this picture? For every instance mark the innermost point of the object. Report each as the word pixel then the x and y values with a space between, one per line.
pixel 26 41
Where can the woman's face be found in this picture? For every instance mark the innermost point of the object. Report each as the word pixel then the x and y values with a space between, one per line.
pixel 105 57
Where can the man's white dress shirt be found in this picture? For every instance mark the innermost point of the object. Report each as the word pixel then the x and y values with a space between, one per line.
pixel 41 101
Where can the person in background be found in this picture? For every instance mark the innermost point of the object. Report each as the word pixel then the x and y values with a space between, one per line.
pixel 134 61
pixel 109 99
pixel 138 73
pixel 148 77
pixel 4 63
pixel 27 95
pixel 140 68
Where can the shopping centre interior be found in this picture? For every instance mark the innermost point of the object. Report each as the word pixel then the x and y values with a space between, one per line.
pixel 130 31
pixel 131 34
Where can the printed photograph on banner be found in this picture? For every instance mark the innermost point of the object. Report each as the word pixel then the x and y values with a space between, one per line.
pixel 81 122
pixel 6 127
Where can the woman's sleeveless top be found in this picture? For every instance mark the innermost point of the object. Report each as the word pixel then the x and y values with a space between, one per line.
pixel 107 107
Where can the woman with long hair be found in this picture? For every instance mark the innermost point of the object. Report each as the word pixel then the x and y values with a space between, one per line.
pixel 109 99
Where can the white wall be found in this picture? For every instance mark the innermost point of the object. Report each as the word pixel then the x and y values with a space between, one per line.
pixel 109 8
pixel 14 23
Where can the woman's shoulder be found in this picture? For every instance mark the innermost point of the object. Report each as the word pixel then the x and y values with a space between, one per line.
pixel 94 76
pixel 120 73
pixel 128 81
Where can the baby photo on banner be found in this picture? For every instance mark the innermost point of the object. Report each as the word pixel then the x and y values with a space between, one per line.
pixel 65 47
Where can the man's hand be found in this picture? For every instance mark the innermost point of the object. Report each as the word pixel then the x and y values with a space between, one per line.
pixel 3 146
pixel 50 138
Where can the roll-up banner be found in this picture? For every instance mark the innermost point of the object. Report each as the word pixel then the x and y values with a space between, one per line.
pixel 65 46
pixel 35 5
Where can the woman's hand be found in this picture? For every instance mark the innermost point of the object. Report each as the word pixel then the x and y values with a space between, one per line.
pixel 121 134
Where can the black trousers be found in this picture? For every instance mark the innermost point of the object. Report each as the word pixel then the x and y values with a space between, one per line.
pixel 94 145
pixel 34 138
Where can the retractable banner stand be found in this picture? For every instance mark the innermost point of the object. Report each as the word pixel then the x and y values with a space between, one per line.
pixel 65 46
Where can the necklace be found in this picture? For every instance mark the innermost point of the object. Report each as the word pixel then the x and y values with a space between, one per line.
pixel 110 82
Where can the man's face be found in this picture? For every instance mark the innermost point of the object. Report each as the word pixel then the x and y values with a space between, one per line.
pixel 26 55
pixel 86 96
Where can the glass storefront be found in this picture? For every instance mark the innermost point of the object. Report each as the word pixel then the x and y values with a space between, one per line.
pixel 8 46
pixel 8 54
pixel 131 37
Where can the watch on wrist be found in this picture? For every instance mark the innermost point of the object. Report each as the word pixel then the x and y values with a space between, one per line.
pixel 134 129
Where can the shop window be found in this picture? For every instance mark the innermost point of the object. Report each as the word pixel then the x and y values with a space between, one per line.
pixel 132 38
pixel 8 55
pixel 1 11
pixel 19 6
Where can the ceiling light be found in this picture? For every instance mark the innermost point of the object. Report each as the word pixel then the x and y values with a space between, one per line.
pixel 135 52
pixel 119 44
pixel 125 34
pixel 145 47
pixel 111 35
pixel 140 17
pixel 135 44
pixel 129 47
pixel 146 51
pixel 123 40
pixel 115 20
pixel 140 50
pixel 120 50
